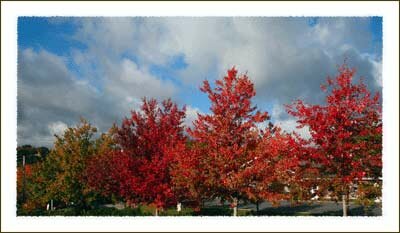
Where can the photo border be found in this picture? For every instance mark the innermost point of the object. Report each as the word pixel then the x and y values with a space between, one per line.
pixel 389 221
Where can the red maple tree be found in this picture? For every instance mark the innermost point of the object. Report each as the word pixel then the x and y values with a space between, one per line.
pixel 189 179
pixel 229 136
pixel 110 175
pixel 275 167
pixel 345 134
pixel 139 170
pixel 148 137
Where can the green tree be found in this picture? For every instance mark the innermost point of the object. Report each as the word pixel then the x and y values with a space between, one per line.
pixel 61 176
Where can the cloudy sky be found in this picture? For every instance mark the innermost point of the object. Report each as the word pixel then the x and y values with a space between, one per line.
pixel 99 68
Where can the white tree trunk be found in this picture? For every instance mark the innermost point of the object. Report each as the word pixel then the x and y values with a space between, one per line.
pixel 156 211
pixel 344 201
pixel 235 206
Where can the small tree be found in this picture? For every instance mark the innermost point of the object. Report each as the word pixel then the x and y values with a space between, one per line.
pixel 61 176
pixel 345 132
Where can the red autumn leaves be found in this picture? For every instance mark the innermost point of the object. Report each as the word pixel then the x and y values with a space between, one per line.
pixel 227 155
pixel 138 170
pixel 346 132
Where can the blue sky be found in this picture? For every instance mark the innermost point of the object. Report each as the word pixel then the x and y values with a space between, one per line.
pixel 99 68
pixel 39 33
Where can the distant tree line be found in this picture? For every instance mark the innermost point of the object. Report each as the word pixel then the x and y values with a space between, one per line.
pixel 32 154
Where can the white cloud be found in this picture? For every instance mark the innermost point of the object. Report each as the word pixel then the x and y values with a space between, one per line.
pixel 127 78
pixel 377 72
pixel 126 84
pixel 191 115
pixel 48 92
pixel 287 123
pixel 285 57
pixel 332 33
pixel 290 125
pixel 57 127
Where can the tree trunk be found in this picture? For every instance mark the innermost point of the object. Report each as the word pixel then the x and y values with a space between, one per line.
pixel 345 205
pixel 235 206
pixel 257 206
pixel 365 211
pixel 156 211
pixel 24 180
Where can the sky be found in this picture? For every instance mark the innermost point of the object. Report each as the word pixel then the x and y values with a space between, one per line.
pixel 99 68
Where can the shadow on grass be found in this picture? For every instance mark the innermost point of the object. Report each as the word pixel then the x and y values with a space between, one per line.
pixel 102 212
pixel 299 210
pixel 355 211
pixel 214 211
